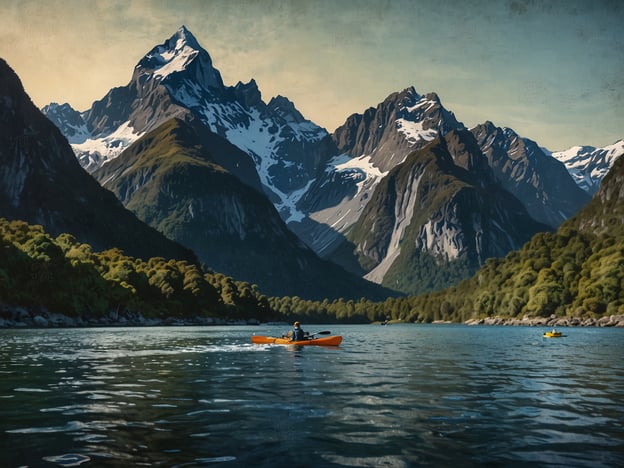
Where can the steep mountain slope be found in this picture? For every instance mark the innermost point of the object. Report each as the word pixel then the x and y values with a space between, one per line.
pixel 42 183
pixel 177 79
pixel 186 181
pixel 588 165
pixel 541 182
pixel 432 222
pixel 370 144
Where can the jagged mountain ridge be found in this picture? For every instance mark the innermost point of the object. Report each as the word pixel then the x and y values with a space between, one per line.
pixel 382 137
pixel 575 272
pixel 42 183
pixel 176 179
pixel 370 145
pixel 588 165
pixel 319 185
pixel 541 182
pixel 297 163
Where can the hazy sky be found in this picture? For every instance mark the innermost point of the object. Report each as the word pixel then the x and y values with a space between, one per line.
pixel 551 70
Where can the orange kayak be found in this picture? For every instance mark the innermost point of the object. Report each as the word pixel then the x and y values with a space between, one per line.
pixel 324 341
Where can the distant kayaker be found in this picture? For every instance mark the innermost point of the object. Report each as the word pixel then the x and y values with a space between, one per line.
pixel 297 332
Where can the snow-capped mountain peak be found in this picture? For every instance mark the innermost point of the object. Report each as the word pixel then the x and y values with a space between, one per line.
pixel 180 53
pixel 588 165
pixel 176 79
pixel 68 120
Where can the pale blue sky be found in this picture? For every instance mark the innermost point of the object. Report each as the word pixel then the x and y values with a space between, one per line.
pixel 551 70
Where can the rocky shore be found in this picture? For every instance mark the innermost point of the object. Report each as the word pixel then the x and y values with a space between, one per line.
pixel 552 321
pixel 21 317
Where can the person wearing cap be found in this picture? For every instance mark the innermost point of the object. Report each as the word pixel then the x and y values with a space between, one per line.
pixel 297 333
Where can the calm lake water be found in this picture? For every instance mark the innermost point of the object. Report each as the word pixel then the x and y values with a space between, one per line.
pixel 399 395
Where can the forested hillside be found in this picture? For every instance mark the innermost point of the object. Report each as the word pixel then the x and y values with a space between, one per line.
pixel 61 275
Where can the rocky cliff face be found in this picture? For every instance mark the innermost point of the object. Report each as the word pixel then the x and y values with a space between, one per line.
pixel 322 185
pixel 42 183
pixel 539 181
pixel 431 222
pixel 371 144
pixel 605 213
pixel 403 122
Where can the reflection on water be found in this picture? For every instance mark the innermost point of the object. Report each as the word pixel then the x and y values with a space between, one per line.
pixel 401 395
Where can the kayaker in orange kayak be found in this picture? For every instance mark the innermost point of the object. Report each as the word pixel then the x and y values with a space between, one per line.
pixel 297 333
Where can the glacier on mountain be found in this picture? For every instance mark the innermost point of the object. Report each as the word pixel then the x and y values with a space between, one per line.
pixel 93 152
pixel 177 79
pixel 414 131
pixel 372 144
pixel 588 165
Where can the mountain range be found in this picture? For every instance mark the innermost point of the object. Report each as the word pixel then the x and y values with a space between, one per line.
pixel 403 194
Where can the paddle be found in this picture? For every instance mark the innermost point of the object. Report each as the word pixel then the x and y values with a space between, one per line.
pixel 324 332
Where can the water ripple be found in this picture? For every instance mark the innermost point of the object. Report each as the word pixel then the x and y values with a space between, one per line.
pixel 388 396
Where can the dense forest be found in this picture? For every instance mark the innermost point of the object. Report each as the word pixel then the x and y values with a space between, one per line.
pixel 567 274
pixel 65 276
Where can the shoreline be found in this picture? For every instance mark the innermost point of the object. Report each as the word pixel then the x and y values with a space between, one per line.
pixel 552 321
pixel 22 317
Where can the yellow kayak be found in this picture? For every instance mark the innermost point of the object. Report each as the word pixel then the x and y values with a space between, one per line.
pixel 323 341
pixel 553 335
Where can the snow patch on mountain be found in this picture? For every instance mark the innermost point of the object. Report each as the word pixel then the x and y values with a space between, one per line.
pixel 80 134
pixel 362 176
pixel 174 60
pixel 93 152
pixel 288 204
pixel 362 169
pixel 414 131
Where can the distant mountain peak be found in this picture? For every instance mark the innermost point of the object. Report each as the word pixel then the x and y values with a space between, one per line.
pixel 410 91
pixel 181 53
pixel 68 120
pixel 184 35
pixel 249 94
pixel 588 165
pixel 286 109
pixel 433 97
